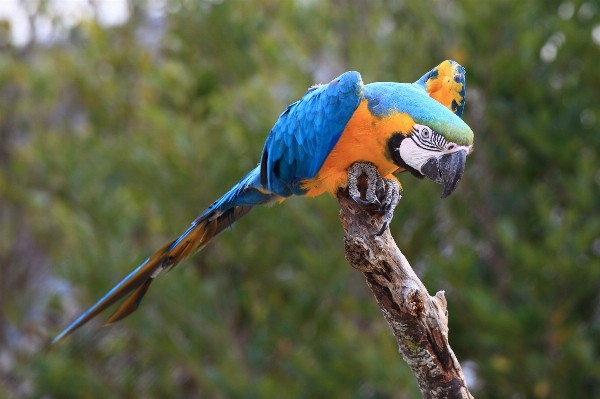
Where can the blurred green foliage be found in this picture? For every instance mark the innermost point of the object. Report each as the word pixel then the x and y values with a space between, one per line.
pixel 112 140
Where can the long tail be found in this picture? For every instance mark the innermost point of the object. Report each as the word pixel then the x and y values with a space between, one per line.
pixel 220 215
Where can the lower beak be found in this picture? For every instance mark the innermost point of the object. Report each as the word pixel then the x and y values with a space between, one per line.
pixel 447 169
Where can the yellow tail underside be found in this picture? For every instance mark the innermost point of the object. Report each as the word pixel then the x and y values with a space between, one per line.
pixel 444 89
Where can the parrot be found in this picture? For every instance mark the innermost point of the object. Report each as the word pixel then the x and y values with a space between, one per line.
pixel 322 143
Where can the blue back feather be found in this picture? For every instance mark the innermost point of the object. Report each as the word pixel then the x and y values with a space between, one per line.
pixel 307 131
pixel 387 97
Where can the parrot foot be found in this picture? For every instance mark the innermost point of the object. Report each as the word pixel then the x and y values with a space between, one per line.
pixel 390 200
pixel 374 183
pixel 377 187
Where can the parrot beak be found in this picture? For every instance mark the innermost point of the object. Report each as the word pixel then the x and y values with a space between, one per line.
pixel 447 169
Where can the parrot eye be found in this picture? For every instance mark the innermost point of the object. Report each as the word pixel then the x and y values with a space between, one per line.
pixel 428 139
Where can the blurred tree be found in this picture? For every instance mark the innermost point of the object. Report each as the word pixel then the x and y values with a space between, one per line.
pixel 112 139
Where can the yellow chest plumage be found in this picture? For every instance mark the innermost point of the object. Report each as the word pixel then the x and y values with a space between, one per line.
pixel 365 139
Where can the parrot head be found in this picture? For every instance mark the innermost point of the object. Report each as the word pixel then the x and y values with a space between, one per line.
pixel 430 139
pixel 426 152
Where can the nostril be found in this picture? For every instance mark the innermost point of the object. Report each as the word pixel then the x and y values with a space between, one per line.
pixel 451 147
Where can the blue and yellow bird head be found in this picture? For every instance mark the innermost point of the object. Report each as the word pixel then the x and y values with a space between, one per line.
pixel 433 140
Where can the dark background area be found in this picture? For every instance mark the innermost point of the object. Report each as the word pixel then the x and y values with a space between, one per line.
pixel 113 138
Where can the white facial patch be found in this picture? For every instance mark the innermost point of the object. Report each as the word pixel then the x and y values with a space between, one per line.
pixel 425 143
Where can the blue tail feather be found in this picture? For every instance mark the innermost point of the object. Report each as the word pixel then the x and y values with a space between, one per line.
pixel 237 202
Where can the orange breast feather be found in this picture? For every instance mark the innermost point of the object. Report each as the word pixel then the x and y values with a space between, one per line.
pixel 364 139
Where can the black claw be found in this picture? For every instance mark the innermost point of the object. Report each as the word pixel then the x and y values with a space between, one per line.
pixel 385 207
pixel 385 225
pixel 376 202
pixel 366 203
pixel 361 201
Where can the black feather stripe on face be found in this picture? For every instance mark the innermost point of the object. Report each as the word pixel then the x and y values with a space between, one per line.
pixel 394 149
pixel 433 142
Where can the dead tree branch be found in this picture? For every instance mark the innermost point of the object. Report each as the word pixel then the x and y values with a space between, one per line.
pixel 418 321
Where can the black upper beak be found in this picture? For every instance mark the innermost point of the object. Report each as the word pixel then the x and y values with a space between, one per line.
pixel 448 169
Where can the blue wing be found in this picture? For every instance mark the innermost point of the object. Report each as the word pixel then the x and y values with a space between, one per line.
pixel 306 132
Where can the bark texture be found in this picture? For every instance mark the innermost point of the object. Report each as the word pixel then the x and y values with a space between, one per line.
pixel 418 321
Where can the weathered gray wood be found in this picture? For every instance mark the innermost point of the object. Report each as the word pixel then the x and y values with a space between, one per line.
pixel 418 321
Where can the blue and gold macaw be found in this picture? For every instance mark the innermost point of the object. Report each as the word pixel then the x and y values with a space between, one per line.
pixel 384 128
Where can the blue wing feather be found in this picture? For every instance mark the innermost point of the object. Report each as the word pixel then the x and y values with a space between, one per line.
pixel 307 131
